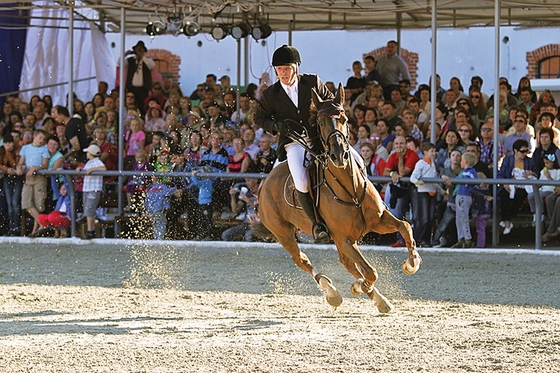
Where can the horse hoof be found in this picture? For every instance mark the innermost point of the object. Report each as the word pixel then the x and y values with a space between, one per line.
pixel 332 294
pixel 356 288
pixel 383 305
pixel 408 269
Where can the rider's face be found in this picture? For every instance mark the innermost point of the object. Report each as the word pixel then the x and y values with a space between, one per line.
pixel 287 74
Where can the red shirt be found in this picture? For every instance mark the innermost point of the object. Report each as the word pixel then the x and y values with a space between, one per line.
pixel 410 159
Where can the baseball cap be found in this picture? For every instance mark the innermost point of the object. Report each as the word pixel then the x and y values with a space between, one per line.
pixel 225 77
pixel 93 150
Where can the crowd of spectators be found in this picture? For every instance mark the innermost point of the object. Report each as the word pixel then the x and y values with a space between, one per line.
pixel 207 131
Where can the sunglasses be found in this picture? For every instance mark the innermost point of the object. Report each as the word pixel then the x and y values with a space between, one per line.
pixel 486 129
pixel 524 151
pixel 475 96
pixel 519 121
pixel 464 131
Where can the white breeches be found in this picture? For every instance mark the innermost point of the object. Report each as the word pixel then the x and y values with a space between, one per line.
pixel 296 154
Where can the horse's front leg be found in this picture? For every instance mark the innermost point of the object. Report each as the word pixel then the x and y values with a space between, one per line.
pixel 390 224
pixel 334 298
pixel 366 276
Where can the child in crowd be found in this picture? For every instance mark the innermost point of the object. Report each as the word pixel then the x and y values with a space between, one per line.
pixel 93 186
pixel 158 201
pixel 550 171
pixel 463 201
pixel 426 195
pixel 34 157
pixel 135 139
pixel 136 184
pixel 481 209
pixel 59 218
pixel 205 208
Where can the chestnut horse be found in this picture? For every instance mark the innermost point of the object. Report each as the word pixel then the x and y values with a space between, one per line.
pixel 348 203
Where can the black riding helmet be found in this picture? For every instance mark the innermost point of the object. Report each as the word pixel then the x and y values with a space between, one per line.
pixel 286 55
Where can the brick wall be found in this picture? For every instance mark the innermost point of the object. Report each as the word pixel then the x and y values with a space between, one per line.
pixel 173 62
pixel 411 59
pixel 540 54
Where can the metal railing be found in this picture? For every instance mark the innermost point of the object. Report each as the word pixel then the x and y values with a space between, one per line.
pixel 536 184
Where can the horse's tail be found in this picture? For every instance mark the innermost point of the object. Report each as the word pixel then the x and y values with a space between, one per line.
pixel 260 230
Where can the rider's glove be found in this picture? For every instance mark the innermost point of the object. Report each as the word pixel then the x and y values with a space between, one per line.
pixel 281 127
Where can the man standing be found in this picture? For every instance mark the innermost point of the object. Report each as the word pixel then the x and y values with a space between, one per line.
pixel 392 69
pixel 75 131
pixel 372 75
pixel 139 74
pixel 290 98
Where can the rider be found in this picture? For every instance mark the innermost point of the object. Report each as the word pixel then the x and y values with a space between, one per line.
pixel 287 103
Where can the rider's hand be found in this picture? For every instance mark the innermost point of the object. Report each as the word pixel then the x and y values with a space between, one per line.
pixel 281 127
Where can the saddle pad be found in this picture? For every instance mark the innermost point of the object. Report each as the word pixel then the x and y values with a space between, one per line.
pixel 290 193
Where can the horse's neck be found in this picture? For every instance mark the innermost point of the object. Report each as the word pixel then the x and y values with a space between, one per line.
pixel 348 176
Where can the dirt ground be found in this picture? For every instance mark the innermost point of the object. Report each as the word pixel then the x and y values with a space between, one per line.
pixel 111 306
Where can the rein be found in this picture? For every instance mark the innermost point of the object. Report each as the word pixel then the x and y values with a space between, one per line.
pixel 355 199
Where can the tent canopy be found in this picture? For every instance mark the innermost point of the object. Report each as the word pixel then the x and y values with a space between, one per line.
pixel 283 15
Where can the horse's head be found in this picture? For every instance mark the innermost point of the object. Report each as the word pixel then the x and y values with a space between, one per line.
pixel 332 125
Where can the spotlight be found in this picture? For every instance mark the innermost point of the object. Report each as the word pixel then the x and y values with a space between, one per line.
pixel 241 30
pixel 174 22
pixel 150 29
pixel 159 28
pixel 219 32
pixel 190 28
pixel 262 31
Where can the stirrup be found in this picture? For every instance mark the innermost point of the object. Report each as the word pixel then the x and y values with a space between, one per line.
pixel 321 233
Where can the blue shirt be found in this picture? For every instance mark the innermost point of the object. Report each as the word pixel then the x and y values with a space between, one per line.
pixel 467 189
pixel 34 155
pixel 158 197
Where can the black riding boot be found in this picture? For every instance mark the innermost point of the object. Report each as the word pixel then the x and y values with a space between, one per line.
pixel 320 231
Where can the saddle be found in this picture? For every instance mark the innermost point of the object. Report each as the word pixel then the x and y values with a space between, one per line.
pixel 315 178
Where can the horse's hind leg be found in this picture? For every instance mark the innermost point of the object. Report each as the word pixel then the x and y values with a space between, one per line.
pixel 390 224
pixel 289 243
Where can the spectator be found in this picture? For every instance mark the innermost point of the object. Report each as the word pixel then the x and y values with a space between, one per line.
pixel 136 184
pixel 265 158
pixel 59 218
pixel 511 196
pixel 550 171
pixel 546 147
pixel 363 135
pixel 139 75
pixel 391 68
pixel 398 196
pixel 426 195
pixel 249 142
pixel 12 182
pixel 244 203
pixel 463 202
pixel 34 157
pixel 205 203
pixel 158 201
pixel 452 142
pixel 389 112
pixel 75 131
pixel 155 121
pixel 356 83
pixel 547 121
pixel 372 74
pixel 477 105
pixel 479 166
pixel 481 209
pixel 135 140
pixel 375 164
pixel 156 95
pixel 240 161
pixel 545 98
pixel 240 115
pixel 520 124
pixel 446 232
pixel 386 137
pixel 93 186
pixel 486 144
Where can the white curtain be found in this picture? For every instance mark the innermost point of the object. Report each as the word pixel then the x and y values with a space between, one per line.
pixel 47 53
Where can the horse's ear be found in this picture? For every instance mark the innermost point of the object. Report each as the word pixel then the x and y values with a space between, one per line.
pixel 340 95
pixel 316 99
